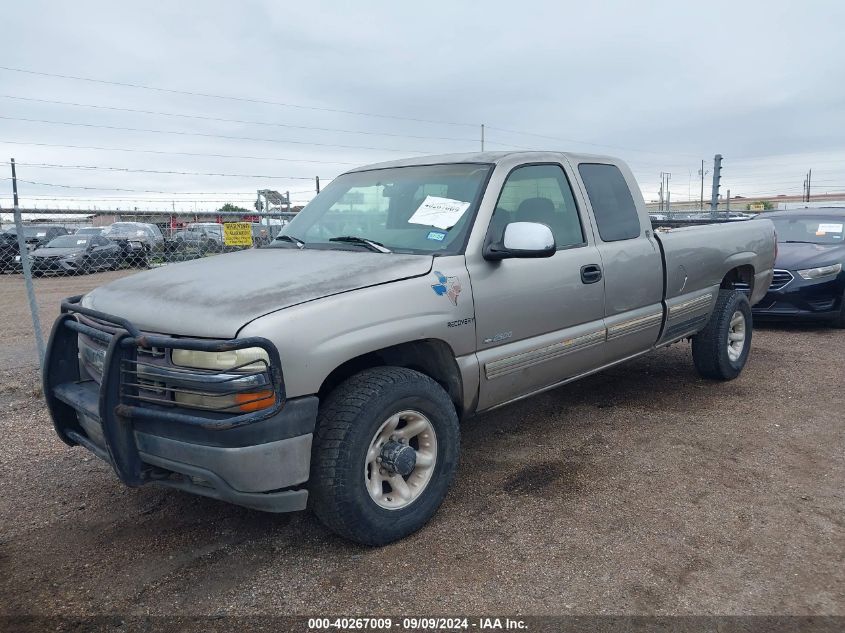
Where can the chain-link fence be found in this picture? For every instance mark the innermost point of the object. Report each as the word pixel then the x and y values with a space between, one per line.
pixel 77 244
pixel 46 257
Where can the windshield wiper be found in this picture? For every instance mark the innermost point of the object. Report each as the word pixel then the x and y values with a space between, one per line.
pixel 290 238
pixel 378 247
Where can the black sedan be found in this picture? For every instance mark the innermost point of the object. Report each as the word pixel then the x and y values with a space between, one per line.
pixel 809 280
pixel 76 254
pixel 35 236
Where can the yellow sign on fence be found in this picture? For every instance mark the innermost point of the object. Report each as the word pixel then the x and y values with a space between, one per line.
pixel 237 234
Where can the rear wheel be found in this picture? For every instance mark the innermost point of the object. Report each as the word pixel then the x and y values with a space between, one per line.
pixel 385 453
pixel 721 349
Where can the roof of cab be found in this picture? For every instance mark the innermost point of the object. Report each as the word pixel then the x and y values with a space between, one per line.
pixel 485 158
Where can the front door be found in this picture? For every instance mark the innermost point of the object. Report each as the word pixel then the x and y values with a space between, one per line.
pixel 538 321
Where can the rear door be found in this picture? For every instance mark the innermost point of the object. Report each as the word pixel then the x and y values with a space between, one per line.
pixel 537 321
pixel 631 261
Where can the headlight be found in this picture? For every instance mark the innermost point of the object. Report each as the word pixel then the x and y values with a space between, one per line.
pixel 821 271
pixel 247 359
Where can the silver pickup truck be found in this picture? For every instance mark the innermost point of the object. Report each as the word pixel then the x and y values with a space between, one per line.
pixel 332 368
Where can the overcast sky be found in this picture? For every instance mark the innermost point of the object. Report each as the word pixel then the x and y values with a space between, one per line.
pixel 662 85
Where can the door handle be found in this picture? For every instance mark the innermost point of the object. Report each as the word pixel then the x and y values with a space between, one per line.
pixel 591 273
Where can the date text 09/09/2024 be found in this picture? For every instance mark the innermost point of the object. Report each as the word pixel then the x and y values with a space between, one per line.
pixel 417 623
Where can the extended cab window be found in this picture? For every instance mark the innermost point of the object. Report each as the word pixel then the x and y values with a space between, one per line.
pixel 614 208
pixel 539 193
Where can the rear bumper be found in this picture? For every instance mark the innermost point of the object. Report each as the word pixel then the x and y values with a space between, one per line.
pixel 255 459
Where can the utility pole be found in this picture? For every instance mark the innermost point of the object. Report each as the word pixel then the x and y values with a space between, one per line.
pixel 717 177
pixel 482 137
pixel 809 183
pixel 668 194
pixel 27 270
pixel 701 203
pixel 662 178
pixel 317 180
pixel 728 202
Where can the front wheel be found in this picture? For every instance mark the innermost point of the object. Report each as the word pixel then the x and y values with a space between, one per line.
pixel 385 452
pixel 721 349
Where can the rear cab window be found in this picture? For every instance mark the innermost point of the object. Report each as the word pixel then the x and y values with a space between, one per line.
pixel 613 206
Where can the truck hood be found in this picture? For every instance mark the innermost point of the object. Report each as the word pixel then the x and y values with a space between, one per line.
pixel 216 296
pixel 799 256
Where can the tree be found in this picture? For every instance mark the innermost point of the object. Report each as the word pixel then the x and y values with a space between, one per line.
pixel 230 208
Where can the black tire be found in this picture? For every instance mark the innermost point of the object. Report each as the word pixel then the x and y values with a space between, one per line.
pixel 347 423
pixel 839 320
pixel 710 345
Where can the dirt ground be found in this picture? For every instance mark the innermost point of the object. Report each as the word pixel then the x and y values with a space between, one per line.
pixel 17 342
pixel 643 490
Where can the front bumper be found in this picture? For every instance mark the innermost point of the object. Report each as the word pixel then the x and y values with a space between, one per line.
pixel 255 459
pixel 803 300
pixel 54 264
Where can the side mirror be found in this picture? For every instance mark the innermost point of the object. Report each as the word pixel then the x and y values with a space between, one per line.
pixel 522 240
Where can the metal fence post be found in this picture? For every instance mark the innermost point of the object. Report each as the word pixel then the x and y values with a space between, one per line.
pixel 27 271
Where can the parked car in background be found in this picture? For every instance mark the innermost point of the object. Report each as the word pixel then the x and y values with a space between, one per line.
pixel 204 236
pixel 90 230
pixel 35 236
pixel 809 280
pixel 138 240
pixel 331 368
pixel 77 254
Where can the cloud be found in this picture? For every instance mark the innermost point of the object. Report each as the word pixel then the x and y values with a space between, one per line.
pixel 662 85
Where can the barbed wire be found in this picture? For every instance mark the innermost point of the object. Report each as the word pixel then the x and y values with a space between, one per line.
pixel 171 153
pixel 158 171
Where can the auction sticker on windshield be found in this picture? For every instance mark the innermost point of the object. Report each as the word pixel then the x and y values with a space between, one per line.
pixel 829 228
pixel 443 213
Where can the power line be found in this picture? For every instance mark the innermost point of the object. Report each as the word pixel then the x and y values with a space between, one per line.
pixel 136 199
pixel 175 193
pixel 322 109
pixel 569 140
pixel 155 171
pixel 232 98
pixel 194 154
pixel 206 135
pixel 243 121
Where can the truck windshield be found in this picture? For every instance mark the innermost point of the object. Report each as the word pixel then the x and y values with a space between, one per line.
pixel 420 209
pixel 813 230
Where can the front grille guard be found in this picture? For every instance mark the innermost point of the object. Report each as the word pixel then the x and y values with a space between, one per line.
pixel 119 403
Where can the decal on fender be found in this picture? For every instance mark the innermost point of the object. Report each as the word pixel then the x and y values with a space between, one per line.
pixel 447 287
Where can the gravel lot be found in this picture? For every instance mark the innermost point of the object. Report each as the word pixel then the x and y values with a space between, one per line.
pixel 643 490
